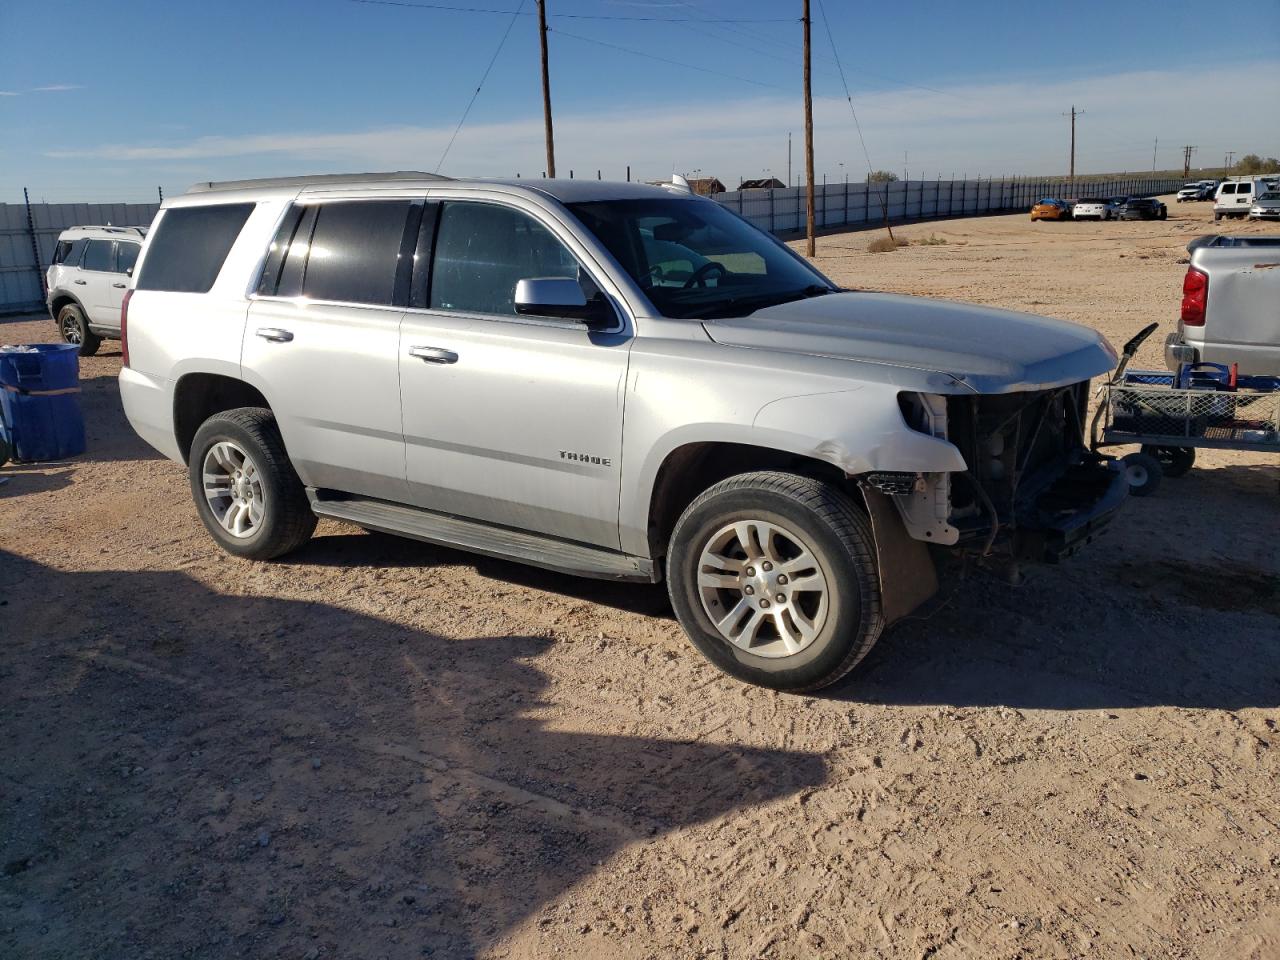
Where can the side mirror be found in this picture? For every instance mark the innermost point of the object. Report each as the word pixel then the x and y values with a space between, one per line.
pixel 560 297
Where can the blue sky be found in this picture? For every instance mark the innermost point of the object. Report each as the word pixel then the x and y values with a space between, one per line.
pixel 167 93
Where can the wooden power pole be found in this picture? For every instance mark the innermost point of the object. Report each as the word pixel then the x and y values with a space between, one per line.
pixel 810 248
pixel 1074 113
pixel 546 90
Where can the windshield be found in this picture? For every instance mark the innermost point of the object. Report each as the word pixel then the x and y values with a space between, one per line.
pixel 1270 195
pixel 696 260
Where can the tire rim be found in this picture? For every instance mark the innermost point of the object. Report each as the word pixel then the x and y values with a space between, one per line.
pixel 762 588
pixel 70 328
pixel 1136 475
pixel 233 489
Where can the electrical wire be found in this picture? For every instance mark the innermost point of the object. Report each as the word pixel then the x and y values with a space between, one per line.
pixel 674 63
pixel 515 15
pixel 451 8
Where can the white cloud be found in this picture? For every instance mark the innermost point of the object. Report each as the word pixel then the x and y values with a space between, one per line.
pixel 8 93
pixel 987 129
pixel 57 88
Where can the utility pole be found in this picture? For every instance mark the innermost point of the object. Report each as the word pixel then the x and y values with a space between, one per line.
pixel 1186 159
pixel 1231 155
pixel 905 178
pixel 810 248
pixel 1074 113
pixel 1154 148
pixel 788 158
pixel 546 90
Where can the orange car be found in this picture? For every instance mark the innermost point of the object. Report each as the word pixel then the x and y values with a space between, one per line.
pixel 1050 209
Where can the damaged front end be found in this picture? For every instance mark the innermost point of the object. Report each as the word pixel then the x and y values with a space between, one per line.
pixel 1033 489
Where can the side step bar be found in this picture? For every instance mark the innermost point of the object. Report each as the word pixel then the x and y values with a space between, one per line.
pixel 470 535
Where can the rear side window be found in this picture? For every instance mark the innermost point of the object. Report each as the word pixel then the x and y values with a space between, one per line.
pixel 1228 188
pixel 77 250
pixel 60 252
pixel 1245 188
pixel 189 246
pixel 97 256
pixel 126 256
pixel 355 251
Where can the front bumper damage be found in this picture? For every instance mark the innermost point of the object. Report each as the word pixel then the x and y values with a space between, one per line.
pixel 1033 490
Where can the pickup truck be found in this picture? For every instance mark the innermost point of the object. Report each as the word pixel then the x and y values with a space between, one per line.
pixel 613 380
pixel 1230 305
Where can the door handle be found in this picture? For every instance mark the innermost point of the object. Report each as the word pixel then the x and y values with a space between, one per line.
pixel 81 282
pixel 274 334
pixel 119 286
pixel 433 354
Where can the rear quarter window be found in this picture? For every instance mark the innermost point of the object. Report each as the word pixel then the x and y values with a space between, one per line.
pixel 190 245
pixel 60 253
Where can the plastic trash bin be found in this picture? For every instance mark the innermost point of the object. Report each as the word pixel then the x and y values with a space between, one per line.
pixel 40 401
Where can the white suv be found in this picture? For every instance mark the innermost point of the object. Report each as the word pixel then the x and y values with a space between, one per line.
pixel 87 280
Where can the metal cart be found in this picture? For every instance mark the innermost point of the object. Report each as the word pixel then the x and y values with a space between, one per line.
pixel 1171 415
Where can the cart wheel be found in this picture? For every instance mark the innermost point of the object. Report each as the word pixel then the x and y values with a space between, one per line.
pixel 1174 461
pixel 1143 473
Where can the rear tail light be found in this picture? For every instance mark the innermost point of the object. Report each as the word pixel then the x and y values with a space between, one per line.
pixel 124 327
pixel 1195 292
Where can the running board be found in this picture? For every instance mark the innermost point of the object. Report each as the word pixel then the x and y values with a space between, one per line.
pixel 564 557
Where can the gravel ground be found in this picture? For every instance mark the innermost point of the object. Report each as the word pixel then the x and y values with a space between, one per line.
pixel 382 749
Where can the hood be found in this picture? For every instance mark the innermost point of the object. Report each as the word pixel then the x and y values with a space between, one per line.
pixel 987 349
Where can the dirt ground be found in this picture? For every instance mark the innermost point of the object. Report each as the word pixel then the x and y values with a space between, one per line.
pixel 382 749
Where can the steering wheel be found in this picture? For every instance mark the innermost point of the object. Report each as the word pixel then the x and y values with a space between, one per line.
pixel 699 276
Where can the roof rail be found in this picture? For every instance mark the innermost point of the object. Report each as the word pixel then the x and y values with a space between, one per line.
pixel 320 179
pixel 108 228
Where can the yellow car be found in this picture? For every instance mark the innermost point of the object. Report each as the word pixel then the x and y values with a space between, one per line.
pixel 1050 209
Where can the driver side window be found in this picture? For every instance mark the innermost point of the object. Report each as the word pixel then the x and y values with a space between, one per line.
pixel 483 249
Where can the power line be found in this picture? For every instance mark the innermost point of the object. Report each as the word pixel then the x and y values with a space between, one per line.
pixel 674 63
pixel 492 60
pixel 452 8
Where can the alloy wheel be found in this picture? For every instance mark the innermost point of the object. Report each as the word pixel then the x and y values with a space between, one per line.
pixel 233 489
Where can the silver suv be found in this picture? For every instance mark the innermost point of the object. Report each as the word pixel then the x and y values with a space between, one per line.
pixel 87 280
pixel 607 379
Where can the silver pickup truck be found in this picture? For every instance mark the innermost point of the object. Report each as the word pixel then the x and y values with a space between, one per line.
pixel 1230 305
pixel 606 379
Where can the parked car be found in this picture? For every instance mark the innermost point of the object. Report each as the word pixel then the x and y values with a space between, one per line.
pixel 1208 188
pixel 1266 206
pixel 1228 310
pixel 1191 191
pixel 1051 209
pixel 1235 196
pixel 1092 210
pixel 86 282
pixel 1143 208
pixel 608 379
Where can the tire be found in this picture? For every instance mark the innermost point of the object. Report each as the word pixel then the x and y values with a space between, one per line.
pixel 266 478
pixel 1143 473
pixel 4 451
pixel 821 536
pixel 1164 213
pixel 73 328
pixel 1216 216
pixel 1174 461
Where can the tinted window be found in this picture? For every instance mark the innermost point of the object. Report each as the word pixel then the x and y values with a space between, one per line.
pixel 97 256
pixel 77 249
pixel 278 250
pixel 189 246
pixel 1244 188
pixel 355 250
pixel 483 250
pixel 1228 188
pixel 126 256
pixel 61 251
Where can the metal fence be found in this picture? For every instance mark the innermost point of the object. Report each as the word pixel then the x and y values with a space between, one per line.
pixel 28 234
pixel 840 204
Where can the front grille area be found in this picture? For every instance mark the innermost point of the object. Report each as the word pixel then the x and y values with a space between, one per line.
pixel 1017 445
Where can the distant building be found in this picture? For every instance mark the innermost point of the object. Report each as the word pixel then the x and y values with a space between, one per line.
pixel 702 186
pixel 763 183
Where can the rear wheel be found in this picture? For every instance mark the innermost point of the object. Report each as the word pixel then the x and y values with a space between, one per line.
pixel 246 490
pixel 1174 461
pixel 773 577
pixel 1143 473
pixel 74 329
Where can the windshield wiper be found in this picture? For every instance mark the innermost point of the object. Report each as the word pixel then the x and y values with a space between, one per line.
pixel 741 306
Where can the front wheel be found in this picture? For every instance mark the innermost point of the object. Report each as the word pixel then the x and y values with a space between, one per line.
pixel 246 490
pixel 1143 472
pixel 773 577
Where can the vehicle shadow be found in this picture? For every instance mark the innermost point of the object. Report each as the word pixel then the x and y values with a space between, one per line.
pixel 1064 641
pixel 188 772
pixel 372 549
pixel 20 479
pixel 107 432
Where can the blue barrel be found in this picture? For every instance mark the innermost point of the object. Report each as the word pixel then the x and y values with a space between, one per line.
pixel 40 401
